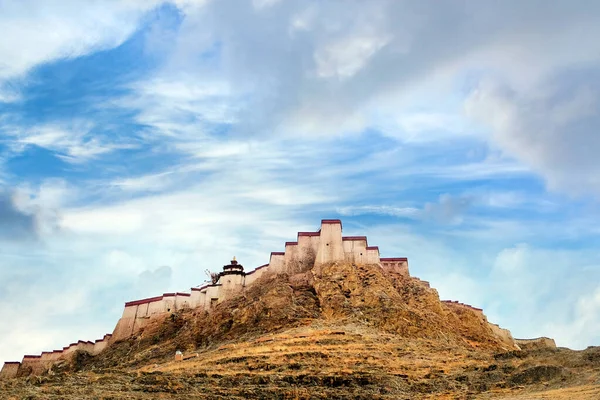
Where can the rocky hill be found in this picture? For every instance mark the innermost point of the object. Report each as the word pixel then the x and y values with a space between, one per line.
pixel 337 330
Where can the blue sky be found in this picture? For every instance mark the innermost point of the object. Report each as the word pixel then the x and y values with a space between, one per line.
pixel 144 142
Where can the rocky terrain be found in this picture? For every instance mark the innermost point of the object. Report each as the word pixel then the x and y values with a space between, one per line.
pixel 336 331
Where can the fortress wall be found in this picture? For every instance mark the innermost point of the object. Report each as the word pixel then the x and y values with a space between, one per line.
pixel 157 306
pixel 504 335
pixel 123 329
pixel 129 311
pixel 50 356
pixel 291 257
pixel 47 359
pixel 38 364
pixel 537 343
pixel 101 344
pixel 231 284
pixel 456 303
pixel 142 310
pixel 372 255
pixel 355 249
pixel 212 296
pixel 9 370
pixel 252 276
pixel 277 262
pixel 183 301
pixel 168 303
pixel 86 346
pixel 70 349
pixel 308 246
pixel 331 247
pixel 397 265
pixel 32 365
pixel 130 320
pixel 198 296
pixel 308 242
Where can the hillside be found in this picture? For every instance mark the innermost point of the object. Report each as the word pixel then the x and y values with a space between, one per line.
pixel 337 330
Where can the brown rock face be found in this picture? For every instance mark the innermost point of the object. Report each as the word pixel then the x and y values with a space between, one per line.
pixel 398 304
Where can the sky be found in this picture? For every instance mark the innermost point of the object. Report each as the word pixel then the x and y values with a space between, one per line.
pixel 144 142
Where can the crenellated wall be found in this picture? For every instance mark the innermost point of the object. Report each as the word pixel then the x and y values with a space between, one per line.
pixel 10 369
pixel 38 364
pixel 398 265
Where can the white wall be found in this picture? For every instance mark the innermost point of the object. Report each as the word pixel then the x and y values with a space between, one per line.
pixel 331 247
pixel 277 262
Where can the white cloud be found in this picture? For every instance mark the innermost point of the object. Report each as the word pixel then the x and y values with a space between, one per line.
pixel 346 56
pixel 552 129
pixel 410 212
pixel 73 142
pixel 36 32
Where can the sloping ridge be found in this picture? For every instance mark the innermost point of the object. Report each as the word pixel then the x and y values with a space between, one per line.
pixel 333 294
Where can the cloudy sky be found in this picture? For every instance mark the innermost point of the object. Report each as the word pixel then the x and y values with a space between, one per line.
pixel 144 142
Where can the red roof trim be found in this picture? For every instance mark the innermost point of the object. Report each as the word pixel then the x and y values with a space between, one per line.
pixel 309 234
pixel 143 301
pixel 394 259
pixel 12 362
pixel 30 356
pixel 201 287
pixel 169 294
pixel 291 243
pixel 331 221
pixel 183 294
pixel 46 352
pixel 354 238
pixel 373 248
pixel 277 253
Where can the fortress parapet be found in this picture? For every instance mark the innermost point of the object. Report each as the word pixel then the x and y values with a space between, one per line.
pixel 38 364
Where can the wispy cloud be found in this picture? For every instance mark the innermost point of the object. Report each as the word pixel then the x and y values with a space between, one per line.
pixel 75 142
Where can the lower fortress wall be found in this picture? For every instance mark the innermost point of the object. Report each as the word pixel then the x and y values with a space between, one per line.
pixel 10 369
pixel 535 344
pixel 39 364
pixel 310 248
pixel 503 334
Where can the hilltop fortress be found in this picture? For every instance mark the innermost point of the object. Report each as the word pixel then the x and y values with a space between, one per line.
pixel 324 246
